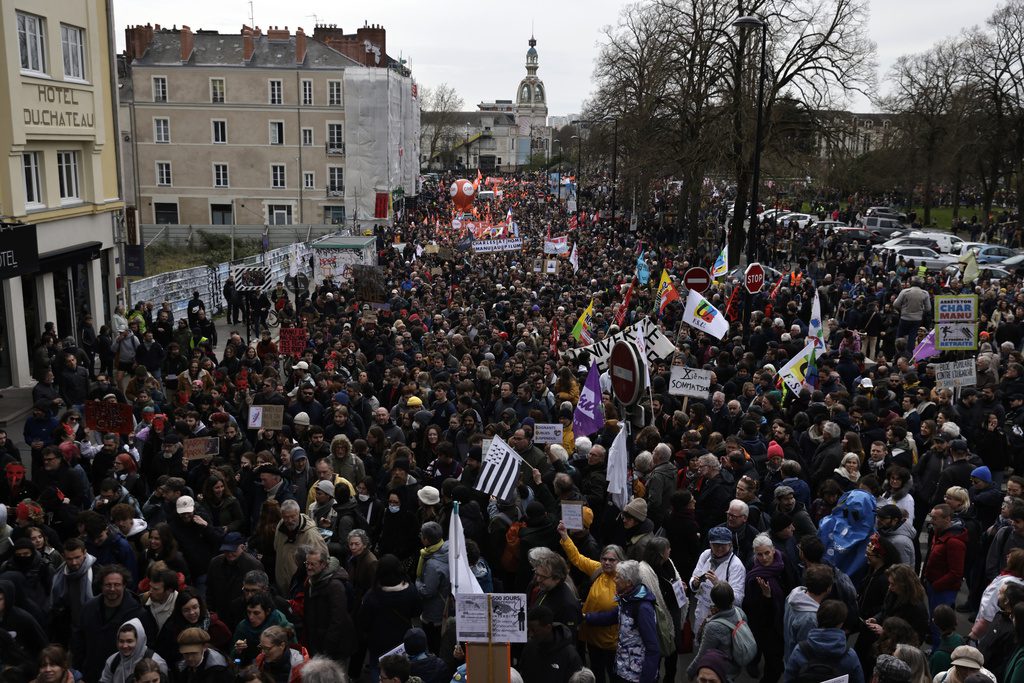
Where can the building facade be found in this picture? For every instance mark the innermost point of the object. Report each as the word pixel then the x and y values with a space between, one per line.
pixel 60 195
pixel 255 128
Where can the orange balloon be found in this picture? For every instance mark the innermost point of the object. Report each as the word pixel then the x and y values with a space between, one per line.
pixel 463 193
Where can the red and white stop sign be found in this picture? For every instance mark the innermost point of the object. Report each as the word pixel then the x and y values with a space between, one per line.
pixel 753 278
pixel 698 279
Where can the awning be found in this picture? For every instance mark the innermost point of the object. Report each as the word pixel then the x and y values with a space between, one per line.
pixel 69 256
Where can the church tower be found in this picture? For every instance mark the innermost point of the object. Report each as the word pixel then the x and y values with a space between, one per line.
pixel 531 110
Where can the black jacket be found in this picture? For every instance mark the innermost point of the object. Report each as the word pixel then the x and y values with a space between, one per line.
pixel 95 637
pixel 329 629
pixel 385 616
pixel 23 625
pixel 224 580
pixel 554 661
pixel 213 669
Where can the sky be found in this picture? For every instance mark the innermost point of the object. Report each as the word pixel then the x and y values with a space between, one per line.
pixel 481 51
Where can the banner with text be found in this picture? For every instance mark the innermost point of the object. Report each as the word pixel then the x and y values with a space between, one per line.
pixel 692 382
pixel 658 346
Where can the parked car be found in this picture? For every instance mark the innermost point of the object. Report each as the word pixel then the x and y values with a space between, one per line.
pixel 948 243
pixel 830 225
pixel 989 253
pixel 984 272
pixel 771 275
pixel 886 212
pixel 802 219
pixel 1014 264
pixel 876 222
pixel 857 235
pixel 905 241
pixel 929 258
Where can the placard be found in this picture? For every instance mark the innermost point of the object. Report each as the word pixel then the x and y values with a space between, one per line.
pixel 956 336
pixel 488 246
pixel 266 417
pixel 687 381
pixel 506 612
pixel 959 373
pixel 104 416
pixel 956 308
pixel 572 515
pixel 292 341
pixel 201 448
pixel 547 433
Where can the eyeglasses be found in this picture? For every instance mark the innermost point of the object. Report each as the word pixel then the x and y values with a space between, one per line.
pixel 609 559
pixel 267 648
pixel 542 577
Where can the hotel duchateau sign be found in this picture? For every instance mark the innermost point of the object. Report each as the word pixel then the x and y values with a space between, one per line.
pixel 50 107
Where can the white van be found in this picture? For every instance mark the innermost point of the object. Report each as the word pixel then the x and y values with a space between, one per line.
pixel 948 243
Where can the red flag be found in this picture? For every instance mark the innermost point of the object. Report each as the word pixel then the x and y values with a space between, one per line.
pixel 775 289
pixel 730 306
pixel 572 222
pixel 554 338
pixel 620 313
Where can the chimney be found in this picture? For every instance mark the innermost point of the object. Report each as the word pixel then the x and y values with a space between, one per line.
pixel 188 44
pixel 300 46
pixel 248 44
pixel 137 40
pixel 277 34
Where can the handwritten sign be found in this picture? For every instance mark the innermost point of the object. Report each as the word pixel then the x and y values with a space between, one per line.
pixel 201 448
pixel 689 382
pixel 506 622
pixel 572 515
pixel 547 433
pixel 292 341
pixel 104 416
pixel 266 417
pixel 959 373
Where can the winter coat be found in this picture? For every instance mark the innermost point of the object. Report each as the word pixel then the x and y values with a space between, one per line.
pixel 197 543
pixel 731 570
pixel 661 484
pixel 713 497
pixel 944 568
pixel 600 598
pixel 251 635
pixel 824 645
pixel 94 638
pixel 120 669
pixel 903 539
pixel 638 655
pixel 386 614
pixel 554 661
pixel 826 459
pixel 800 617
pixel 21 623
pixel 213 669
pixel 562 602
pixel 433 585
pixel 285 543
pixel 224 580
pixel 718 636
pixel 329 629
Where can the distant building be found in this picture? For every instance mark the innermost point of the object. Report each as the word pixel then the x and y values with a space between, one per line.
pixel 60 195
pixel 275 128
pixel 851 134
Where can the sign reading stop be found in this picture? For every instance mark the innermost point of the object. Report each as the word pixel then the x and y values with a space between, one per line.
pixel 626 370
pixel 753 278
pixel 698 279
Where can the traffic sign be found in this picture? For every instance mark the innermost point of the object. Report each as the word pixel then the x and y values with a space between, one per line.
pixel 627 374
pixel 698 279
pixel 753 278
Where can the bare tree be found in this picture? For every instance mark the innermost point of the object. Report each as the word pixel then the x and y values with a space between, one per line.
pixel 440 107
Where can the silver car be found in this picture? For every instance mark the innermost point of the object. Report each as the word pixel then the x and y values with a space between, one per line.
pixel 929 258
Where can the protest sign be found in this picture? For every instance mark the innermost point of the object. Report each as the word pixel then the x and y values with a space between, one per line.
pixel 105 416
pixel 547 433
pixel 692 382
pixel 503 613
pixel 200 448
pixel 266 417
pixel 958 373
pixel 658 345
pixel 956 336
pixel 572 515
pixel 292 341
pixel 488 246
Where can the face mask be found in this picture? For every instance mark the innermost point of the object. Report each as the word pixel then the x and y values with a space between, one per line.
pixel 363 497
pixel 394 508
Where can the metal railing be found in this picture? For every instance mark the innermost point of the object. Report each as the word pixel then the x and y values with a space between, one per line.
pixel 335 148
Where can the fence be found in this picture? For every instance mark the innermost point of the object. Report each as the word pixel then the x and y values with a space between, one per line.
pixel 177 286
pixel 277 235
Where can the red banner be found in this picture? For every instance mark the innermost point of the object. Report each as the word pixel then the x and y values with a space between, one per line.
pixel 292 341
pixel 381 205
pixel 105 416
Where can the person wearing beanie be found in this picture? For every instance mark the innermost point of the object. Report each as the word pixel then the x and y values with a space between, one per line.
pixel 717 563
pixel 321 510
pixel 299 474
pixel 712 667
pixel 423 663
pixel 986 498
pixel 636 527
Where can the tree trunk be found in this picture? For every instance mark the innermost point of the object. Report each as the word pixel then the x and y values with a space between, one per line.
pixel 957 185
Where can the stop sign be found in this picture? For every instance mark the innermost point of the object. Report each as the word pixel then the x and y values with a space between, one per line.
pixel 698 279
pixel 753 278
pixel 626 370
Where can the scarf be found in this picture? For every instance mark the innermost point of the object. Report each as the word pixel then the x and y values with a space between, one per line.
pixel 424 554
pixel 84 576
pixel 161 611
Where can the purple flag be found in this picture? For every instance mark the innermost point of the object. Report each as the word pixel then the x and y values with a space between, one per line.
pixel 589 415
pixel 926 349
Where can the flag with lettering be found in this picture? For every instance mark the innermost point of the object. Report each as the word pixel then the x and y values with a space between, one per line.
pixel 500 471
pixel 701 315
pixel 666 292
pixel 589 414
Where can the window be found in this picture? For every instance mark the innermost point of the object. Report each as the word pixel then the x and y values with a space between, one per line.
pixel 72 41
pixel 31 42
pixel 220 131
pixel 334 215
pixel 335 138
pixel 33 190
pixel 279 214
pixel 163 173
pixel 277 132
pixel 67 171
pixel 277 177
pixel 334 93
pixel 308 180
pixel 220 175
pixel 275 92
pixel 161 130
pixel 307 137
pixel 221 214
pixel 307 92
pixel 217 90
pixel 159 88
pixel 165 213
pixel 335 180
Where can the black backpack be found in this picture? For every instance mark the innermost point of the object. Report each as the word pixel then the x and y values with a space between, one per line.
pixel 817 668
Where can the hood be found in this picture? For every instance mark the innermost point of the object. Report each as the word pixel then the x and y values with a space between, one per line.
pixel 140 630
pixel 83 570
pixel 956 530
pixel 10 594
pixel 800 601
pixel 905 529
pixel 304 523
pixel 827 641
pixel 138 526
pixel 638 594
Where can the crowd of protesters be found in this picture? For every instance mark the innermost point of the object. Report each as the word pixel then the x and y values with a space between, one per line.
pixel 322 546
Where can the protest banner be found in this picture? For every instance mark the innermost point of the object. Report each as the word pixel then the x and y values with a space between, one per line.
pixel 266 417
pixel 956 374
pixel 490 617
pixel 658 346
pixel 488 246
pixel 692 382
pixel 292 341
pixel 547 433
pixel 105 416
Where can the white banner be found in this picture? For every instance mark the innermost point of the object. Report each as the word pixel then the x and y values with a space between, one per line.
pixel 488 246
pixel 547 433
pixel 556 245
pixel 959 373
pixel 658 346
pixel 689 382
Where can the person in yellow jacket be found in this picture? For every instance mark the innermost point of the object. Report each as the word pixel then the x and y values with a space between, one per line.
pixel 601 640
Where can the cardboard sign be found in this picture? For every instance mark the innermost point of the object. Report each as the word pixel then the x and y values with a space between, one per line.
pixel 104 416
pixel 692 382
pixel 547 433
pixel 201 448
pixel 507 618
pixel 572 515
pixel 266 417
pixel 956 336
pixel 959 373
pixel 292 341
pixel 956 308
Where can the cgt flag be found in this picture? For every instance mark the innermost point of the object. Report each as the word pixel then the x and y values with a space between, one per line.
pixel 666 292
pixel 701 315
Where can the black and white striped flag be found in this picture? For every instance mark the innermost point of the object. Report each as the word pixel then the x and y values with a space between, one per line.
pixel 500 470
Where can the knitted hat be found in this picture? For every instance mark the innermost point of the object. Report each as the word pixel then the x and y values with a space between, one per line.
pixel 983 473
pixel 775 450
pixel 324 486
pixel 415 642
pixel 717 662
pixel 780 521
pixel 637 509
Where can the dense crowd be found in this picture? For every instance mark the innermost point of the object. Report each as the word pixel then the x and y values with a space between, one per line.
pixel 322 546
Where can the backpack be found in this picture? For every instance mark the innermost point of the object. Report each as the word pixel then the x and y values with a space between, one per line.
pixel 510 555
pixel 744 646
pixel 816 668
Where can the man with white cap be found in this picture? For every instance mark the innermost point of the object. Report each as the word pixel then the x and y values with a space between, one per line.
pixel 197 539
pixel 717 563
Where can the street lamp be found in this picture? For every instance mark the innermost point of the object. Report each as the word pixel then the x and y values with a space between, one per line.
pixel 579 176
pixel 467 147
pixel 558 182
pixel 752 236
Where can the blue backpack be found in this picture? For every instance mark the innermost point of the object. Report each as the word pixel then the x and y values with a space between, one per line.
pixel 846 530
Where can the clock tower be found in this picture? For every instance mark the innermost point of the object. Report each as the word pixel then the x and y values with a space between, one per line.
pixel 531 111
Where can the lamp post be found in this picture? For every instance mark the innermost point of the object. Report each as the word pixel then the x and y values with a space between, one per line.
pixel 752 231
pixel 558 181
pixel 579 175
pixel 467 148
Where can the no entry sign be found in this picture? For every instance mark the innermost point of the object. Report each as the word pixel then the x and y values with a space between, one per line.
pixel 753 278
pixel 698 279
pixel 626 370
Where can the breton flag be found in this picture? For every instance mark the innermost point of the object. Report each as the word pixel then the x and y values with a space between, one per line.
pixel 500 471
pixel 666 291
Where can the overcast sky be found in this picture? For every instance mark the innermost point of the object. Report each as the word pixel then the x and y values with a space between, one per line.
pixel 480 50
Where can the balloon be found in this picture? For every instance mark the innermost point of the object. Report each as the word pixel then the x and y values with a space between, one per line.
pixel 463 193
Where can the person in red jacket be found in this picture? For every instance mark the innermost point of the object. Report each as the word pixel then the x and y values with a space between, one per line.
pixel 944 568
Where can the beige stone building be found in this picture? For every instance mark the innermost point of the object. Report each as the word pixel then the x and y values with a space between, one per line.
pixel 60 204
pixel 254 128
